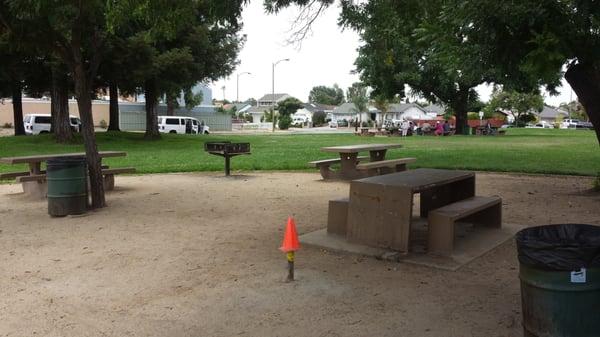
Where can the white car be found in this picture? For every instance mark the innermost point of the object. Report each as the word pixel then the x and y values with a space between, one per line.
pixel 540 125
pixel 40 123
pixel 181 125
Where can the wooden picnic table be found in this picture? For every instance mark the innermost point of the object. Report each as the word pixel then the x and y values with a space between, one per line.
pixel 35 161
pixel 34 180
pixel 380 207
pixel 349 157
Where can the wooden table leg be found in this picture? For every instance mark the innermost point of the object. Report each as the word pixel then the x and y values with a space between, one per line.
pixel 348 166
pixel 378 155
pixel 35 167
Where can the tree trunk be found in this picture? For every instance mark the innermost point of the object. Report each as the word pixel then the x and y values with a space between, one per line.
pixel 113 124
pixel 59 108
pixel 151 113
pixel 171 102
pixel 17 104
pixel 83 90
pixel 585 81
pixel 460 105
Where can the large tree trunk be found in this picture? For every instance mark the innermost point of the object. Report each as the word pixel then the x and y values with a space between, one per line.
pixel 83 90
pixel 113 124
pixel 150 91
pixel 460 105
pixel 17 104
pixel 171 102
pixel 585 81
pixel 59 108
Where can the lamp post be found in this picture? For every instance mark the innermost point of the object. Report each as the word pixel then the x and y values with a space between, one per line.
pixel 237 96
pixel 273 89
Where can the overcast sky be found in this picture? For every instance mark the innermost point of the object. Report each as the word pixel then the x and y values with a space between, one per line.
pixel 326 57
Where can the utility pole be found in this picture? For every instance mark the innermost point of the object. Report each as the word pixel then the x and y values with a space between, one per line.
pixel 273 89
pixel 223 88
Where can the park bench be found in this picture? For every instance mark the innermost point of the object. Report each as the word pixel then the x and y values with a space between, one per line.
pixel 385 166
pixel 325 164
pixel 481 211
pixel 108 175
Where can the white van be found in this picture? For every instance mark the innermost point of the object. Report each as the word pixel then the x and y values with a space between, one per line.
pixel 40 123
pixel 181 125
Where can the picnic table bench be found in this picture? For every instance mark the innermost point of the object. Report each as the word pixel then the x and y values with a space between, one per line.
pixel 350 161
pixel 34 180
pixel 379 210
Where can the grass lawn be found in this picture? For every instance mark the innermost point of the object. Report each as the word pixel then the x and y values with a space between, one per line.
pixel 521 150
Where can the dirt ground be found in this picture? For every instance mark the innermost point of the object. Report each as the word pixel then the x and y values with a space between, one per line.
pixel 196 255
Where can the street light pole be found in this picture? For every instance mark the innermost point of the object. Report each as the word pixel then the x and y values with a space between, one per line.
pixel 273 90
pixel 237 96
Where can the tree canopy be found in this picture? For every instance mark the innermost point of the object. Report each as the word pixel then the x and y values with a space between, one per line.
pixel 520 105
pixel 326 95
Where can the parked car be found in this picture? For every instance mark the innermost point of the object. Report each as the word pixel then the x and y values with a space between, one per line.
pixel 299 121
pixel 342 123
pixel 35 124
pixel 182 125
pixel 540 125
pixel 576 124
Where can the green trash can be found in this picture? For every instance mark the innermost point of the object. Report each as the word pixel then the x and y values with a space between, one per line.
pixel 560 280
pixel 67 186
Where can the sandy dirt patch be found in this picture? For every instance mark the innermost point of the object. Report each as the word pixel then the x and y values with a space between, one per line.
pixel 196 255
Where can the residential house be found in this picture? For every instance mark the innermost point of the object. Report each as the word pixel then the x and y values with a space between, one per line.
pixel 550 114
pixel 308 110
pixel 434 110
pixel 408 111
pixel 264 104
pixel 348 112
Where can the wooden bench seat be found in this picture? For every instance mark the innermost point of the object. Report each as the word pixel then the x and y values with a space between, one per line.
pixel 109 176
pixel 107 173
pixel 385 166
pixel 13 175
pixel 481 211
pixel 32 177
pixel 324 165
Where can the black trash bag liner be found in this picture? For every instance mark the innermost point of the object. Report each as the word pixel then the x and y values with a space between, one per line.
pixel 567 247
pixel 55 164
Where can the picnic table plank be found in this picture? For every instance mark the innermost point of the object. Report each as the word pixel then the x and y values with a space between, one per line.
pixel 360 147
pixel 45 157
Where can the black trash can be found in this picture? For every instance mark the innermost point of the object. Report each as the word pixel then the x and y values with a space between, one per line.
pixel 67 186
pixel 560 280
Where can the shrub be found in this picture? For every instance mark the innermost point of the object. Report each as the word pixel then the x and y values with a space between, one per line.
pixel 318 118
pixel 284 122
pixel 7 126
pixel 103 124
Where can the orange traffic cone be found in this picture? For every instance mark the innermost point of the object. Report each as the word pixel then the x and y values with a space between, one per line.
pixel 290 245
pixel 290 239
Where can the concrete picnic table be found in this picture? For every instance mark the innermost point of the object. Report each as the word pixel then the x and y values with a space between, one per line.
pixel 33 181
pixel 35 161
pixel 349 157
pixel 380 207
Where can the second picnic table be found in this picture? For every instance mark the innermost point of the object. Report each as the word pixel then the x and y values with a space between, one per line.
pixel 34 180
pixel 349 160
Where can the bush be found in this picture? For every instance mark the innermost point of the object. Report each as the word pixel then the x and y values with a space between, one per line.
pixel 318 118
pixel 7 126
pixel 103 124
pixel 284 122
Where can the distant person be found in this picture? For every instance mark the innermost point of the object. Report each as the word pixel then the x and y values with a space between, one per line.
pixel 404 127
pixel 446 128
pixel 439 129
